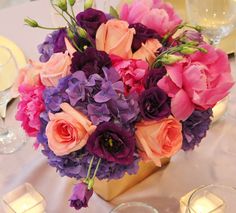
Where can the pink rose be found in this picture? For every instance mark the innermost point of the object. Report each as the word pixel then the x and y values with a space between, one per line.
pixel 28 75
pixel 155 14
pixel 56 68
pixel 148 50
pixel 197 83
pixel 132 73
pixel 159 139
pixel 115 37
pixel 29 108
pixel 68 131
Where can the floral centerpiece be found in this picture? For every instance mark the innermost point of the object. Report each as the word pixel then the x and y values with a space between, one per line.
pixel 113 89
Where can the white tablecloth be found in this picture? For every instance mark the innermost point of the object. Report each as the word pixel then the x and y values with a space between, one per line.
pixel 213 162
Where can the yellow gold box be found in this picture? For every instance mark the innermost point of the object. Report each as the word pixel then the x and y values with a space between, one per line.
pixel 112 188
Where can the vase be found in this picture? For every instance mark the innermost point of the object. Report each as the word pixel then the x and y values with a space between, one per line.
pixel 109 189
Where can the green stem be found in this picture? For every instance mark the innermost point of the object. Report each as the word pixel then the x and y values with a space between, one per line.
pixel 72 11
pixel 90 167
pixel 50 28
pixel 71 17
pixel 95 172
pixel 61 13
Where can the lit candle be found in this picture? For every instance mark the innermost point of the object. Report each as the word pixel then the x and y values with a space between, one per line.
pixel 209 203
pixel 26 203
pixel 24 199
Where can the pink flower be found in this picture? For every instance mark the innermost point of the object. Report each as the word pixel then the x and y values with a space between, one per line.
pixel 56 68
pixel 68 131
pixel 155 14
pixel 159 139
pixel 30 107
pixel 197 83
pixel 132 73
pixel 115 37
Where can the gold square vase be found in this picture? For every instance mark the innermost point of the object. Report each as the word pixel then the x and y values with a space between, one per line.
pixel 111 189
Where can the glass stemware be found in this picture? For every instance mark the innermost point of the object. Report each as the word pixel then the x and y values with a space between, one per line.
pixel 217 17
pixel 11 139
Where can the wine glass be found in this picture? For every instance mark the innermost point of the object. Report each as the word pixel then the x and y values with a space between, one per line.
pixel 11 139
pixel 212 198
pixel 217 17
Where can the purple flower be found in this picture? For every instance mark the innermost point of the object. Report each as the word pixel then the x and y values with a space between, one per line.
pixel 154 104
pixel 80 88
pixel 142 34
pixel 191 36
pixel 54 96
pixel 112 143
pixel 153 76
pixel 91 61
pixel 90 20
pixel 98 114
pixel 81 195
pixel 53 43
pixel 195 128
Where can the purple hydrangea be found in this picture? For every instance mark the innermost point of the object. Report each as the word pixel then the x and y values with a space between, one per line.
pixel 142 34
pixel 81 195
pixel 195 128
pixel 91 61
pixel 54 96
pixel 53 43
pixel 154 104
pixel 90 20
pixel 112 143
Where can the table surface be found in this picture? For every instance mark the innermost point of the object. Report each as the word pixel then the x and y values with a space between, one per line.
pixel 213 162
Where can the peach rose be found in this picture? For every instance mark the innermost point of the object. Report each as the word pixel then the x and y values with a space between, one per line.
pixel 159 139
pixel 56 68
pixel 147 51
pixel 68 131
pixel 115 37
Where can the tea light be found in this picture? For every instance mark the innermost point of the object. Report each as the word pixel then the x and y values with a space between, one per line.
pixel 209 203
pixel 24 199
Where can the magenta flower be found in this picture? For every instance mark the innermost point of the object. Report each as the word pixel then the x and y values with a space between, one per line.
pixel 30 107
pixel 154 14
pixel 80 197
pixel 199 82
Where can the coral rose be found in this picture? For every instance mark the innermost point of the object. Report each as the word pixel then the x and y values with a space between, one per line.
pixel 159 139
pixel 197 83
pixel 68 131
pixel 115 37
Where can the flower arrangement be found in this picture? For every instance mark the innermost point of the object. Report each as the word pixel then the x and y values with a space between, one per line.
pixel 113 89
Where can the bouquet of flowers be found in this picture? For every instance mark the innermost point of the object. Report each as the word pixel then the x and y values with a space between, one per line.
pixel 111 89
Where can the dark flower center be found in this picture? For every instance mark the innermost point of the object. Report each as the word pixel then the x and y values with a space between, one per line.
pixel 110 144
pixel 151 106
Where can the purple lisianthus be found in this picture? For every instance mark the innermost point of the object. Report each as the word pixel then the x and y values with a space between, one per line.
pixel 91 61
pixel 142 34
pixel 81 195
pixel 195 128
pixel 112 143
pixel 153 76
pixel 90 20
pixel 154 104
pixel 191 36
pixel 54 43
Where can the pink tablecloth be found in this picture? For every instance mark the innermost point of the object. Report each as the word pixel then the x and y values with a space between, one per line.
pixel 213 162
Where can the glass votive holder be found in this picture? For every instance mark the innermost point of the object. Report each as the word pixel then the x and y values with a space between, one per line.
pixel 134 207
pixel 24 199
pixel 209 199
